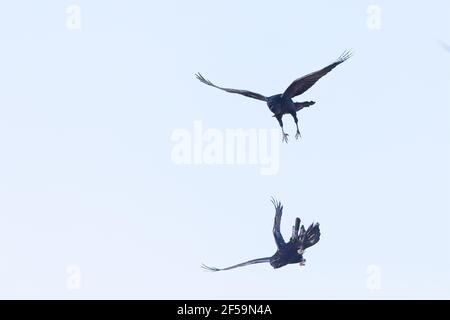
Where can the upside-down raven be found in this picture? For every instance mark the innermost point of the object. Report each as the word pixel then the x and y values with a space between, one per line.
pixel 287 253
pixel 282 104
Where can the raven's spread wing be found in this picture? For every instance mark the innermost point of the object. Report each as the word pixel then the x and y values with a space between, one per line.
pixel 246 93
pixel 302 84
pixel 276 224
pixel 214 269
pixel 309 237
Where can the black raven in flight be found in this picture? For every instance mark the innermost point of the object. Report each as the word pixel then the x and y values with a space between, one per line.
pixel 287 253
pixel 282 104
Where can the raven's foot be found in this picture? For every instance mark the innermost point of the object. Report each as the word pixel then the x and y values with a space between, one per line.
pixel 298 135
pixel 285 137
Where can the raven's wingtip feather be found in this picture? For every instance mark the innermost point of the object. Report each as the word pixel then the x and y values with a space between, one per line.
pixel 210 269
pixel 347 54
pixel 276 203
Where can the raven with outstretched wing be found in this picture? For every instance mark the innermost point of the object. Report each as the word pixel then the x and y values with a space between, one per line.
pixel 287 253
pixel 282 104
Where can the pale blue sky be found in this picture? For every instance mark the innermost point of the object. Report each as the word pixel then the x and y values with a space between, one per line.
pixel 86 176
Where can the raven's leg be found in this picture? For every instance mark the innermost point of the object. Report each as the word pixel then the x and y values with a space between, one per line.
pixel 280 121
pixel 298 134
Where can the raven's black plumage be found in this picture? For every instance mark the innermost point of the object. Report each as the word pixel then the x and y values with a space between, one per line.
pixel 287 253
pixel 282 104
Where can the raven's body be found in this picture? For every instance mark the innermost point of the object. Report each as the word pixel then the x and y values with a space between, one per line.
pixel 287 253
pixel 281 104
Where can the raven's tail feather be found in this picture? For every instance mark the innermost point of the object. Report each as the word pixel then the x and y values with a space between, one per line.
pixel 300 105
